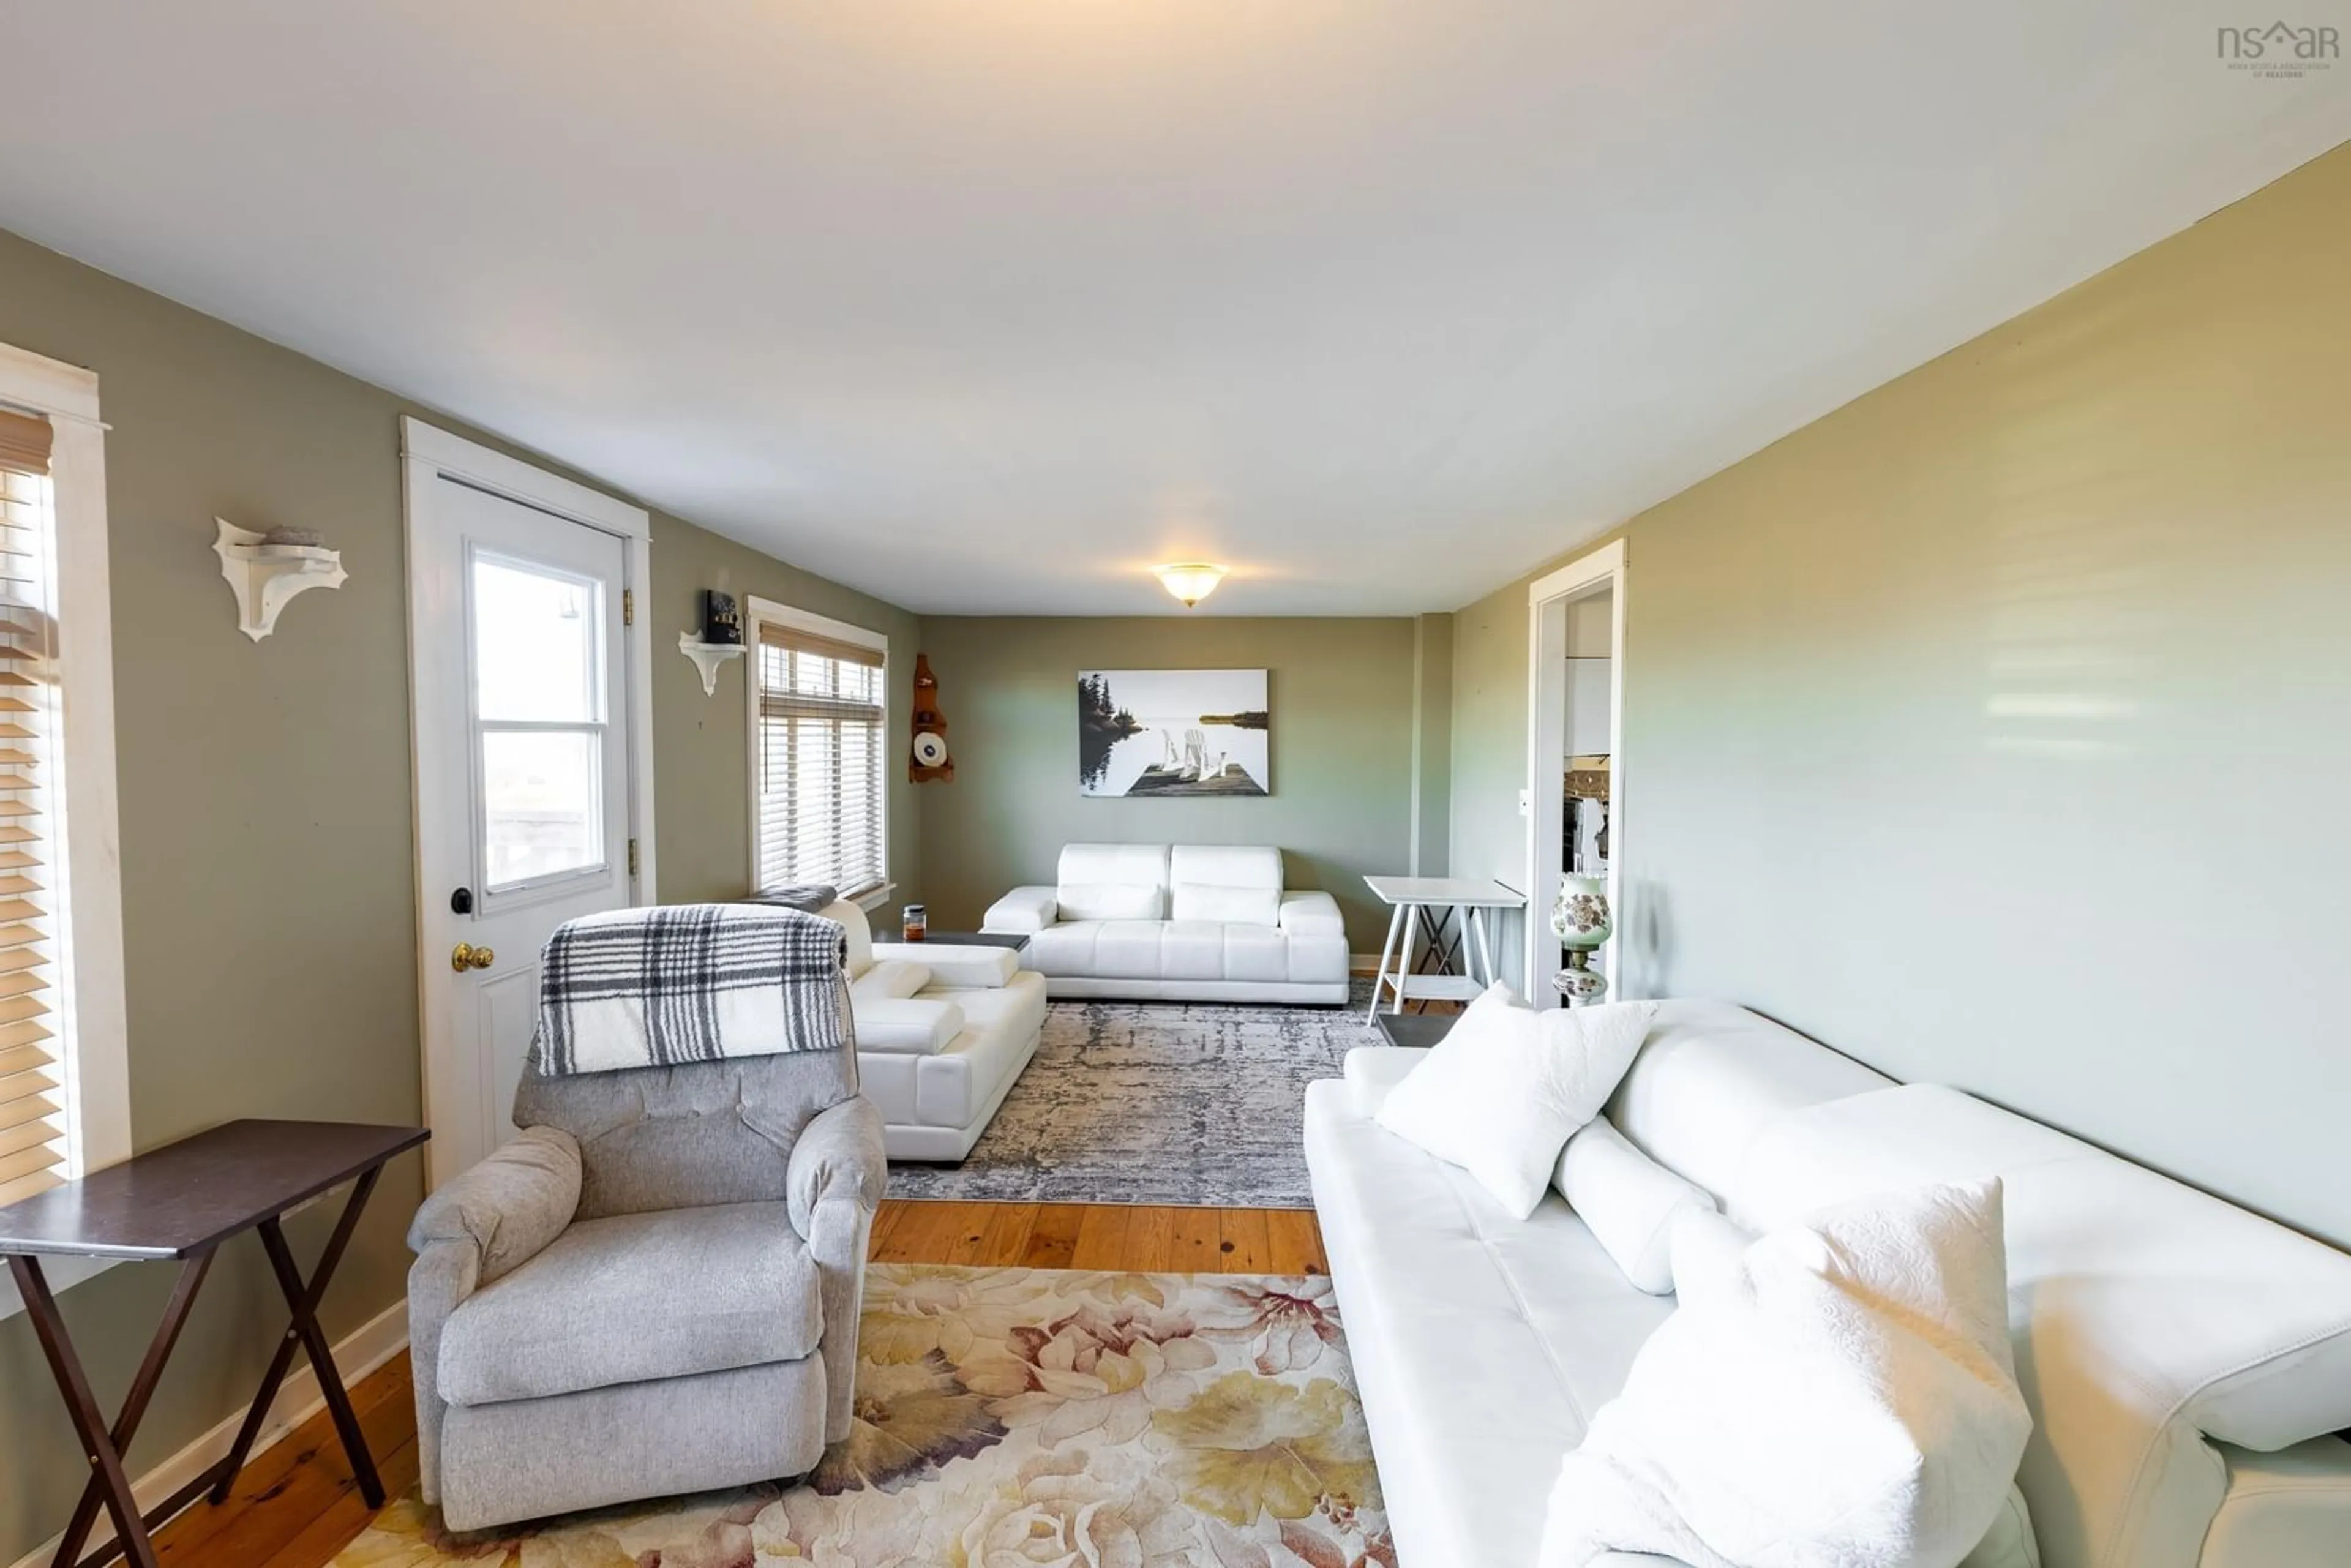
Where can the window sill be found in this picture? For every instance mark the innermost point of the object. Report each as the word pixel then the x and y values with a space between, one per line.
pixel 64 1274
pixel 874 898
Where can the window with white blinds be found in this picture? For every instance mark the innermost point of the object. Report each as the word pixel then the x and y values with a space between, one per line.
pixel 35 1095
pixel 818 703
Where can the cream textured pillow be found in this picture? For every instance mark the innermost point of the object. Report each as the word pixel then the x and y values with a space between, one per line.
pixel 1846 1398
pixel 1501 1091
pixel 1628 1201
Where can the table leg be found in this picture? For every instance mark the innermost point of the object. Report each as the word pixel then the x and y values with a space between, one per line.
pixel 1404 960
pixel 97 1442
pixel 1379 976
pixel 1485 943
pixel 303 1297
pixel 134 1404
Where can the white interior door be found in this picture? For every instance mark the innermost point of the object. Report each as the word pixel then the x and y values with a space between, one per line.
pixel 525 761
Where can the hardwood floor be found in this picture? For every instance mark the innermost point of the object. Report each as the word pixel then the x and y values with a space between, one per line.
pixel 295 1506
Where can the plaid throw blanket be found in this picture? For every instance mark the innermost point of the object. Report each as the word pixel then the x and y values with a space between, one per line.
pixel 688 982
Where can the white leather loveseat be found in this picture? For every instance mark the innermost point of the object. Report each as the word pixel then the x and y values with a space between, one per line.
pixel 943 1032
pixel 2183 1359
pixel 1208 922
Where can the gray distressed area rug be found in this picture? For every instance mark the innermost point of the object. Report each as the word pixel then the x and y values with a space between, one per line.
pixel 1189 1105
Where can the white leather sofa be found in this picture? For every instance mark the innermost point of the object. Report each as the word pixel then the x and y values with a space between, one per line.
pixel 943 1032
pixel 1203 922
pixel 2184 1359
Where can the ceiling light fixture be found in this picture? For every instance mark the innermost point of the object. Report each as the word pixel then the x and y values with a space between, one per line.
pixel 1190 581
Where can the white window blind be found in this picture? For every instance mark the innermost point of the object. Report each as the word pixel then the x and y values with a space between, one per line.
pixel 34 1035
pixel 821 761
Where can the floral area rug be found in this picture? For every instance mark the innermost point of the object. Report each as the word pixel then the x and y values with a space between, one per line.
pixel 1027 1416
pixel 1182 1103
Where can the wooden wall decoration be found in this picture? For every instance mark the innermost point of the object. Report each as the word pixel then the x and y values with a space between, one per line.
pixel 930 759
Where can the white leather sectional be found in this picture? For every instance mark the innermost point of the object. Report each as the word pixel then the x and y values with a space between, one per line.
pixel 943 1032
pixel 1187 923
pixel 2184 1359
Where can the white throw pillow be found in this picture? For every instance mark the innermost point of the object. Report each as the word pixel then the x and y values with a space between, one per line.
pixel 1235 905
pixel 1629 1202
pixel 1847 1400
pixel 1501 1091
pixel 1109 901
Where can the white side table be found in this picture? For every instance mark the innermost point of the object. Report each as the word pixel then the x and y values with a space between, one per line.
pixel 1407 897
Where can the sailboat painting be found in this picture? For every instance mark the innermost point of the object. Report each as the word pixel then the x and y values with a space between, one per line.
pixel 1173 732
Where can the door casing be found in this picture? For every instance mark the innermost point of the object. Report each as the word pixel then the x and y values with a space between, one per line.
pixel 1544 800
pixel 430 456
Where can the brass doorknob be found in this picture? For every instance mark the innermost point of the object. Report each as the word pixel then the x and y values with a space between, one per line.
pixel 465 956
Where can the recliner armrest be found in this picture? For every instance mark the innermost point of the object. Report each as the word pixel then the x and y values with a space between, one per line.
pixel 1312 915
pixel 481 1224
pixel 507 1207
pixel 1023 909
pixel 952 964
pixel 832 1184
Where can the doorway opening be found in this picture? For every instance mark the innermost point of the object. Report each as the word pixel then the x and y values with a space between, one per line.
pixel 1575 701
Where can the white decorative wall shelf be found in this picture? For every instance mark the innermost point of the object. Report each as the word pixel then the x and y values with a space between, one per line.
pixel 264 574
pixel 708 657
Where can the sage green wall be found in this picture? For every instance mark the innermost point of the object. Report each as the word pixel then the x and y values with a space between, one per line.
pixel 702 766
pixel 268 869
pixel 1342 752
pixel 1993 728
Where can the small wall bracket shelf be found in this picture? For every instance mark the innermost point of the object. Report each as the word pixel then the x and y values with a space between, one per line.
pixel 263 576
pixel 708 657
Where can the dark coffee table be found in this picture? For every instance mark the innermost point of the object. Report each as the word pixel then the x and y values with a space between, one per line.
pixel 1416 1030
pixel 1016 940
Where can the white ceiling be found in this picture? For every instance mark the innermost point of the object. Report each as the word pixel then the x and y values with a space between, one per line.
pixel 983 306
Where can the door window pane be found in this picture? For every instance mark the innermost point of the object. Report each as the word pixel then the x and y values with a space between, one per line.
pixel 535 645
pixel 543 808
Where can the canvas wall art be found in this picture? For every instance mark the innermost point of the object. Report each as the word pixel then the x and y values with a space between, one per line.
pixel 1174 733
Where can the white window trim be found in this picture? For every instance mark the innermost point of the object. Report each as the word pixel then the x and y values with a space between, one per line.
pixel 757 611
pixel 98 1071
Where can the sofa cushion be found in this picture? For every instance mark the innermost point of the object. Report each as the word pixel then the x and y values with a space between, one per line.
pixel 634 1298
pixel 1110 901
pixel 1480 1342
pixel 1112 881
pixel 1213 900
pixel 916 1026
pixel 1145 864
pixel 954 963
pixel 888 980
pixel 1711 1076
pixel 1225 865
pixel 1176 951
pixel 2147 1315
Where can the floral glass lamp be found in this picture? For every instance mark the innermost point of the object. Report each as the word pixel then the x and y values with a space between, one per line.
pixel 1582 922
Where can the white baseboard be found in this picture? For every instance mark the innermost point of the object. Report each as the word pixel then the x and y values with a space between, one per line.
pixel 368 1347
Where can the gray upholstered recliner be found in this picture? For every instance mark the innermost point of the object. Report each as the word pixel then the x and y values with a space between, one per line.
pixel 654 1290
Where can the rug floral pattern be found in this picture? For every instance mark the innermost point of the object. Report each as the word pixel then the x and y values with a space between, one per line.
pixel 1019 1417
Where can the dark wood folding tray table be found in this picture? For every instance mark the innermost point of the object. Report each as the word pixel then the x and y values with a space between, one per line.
pixel 181 1202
